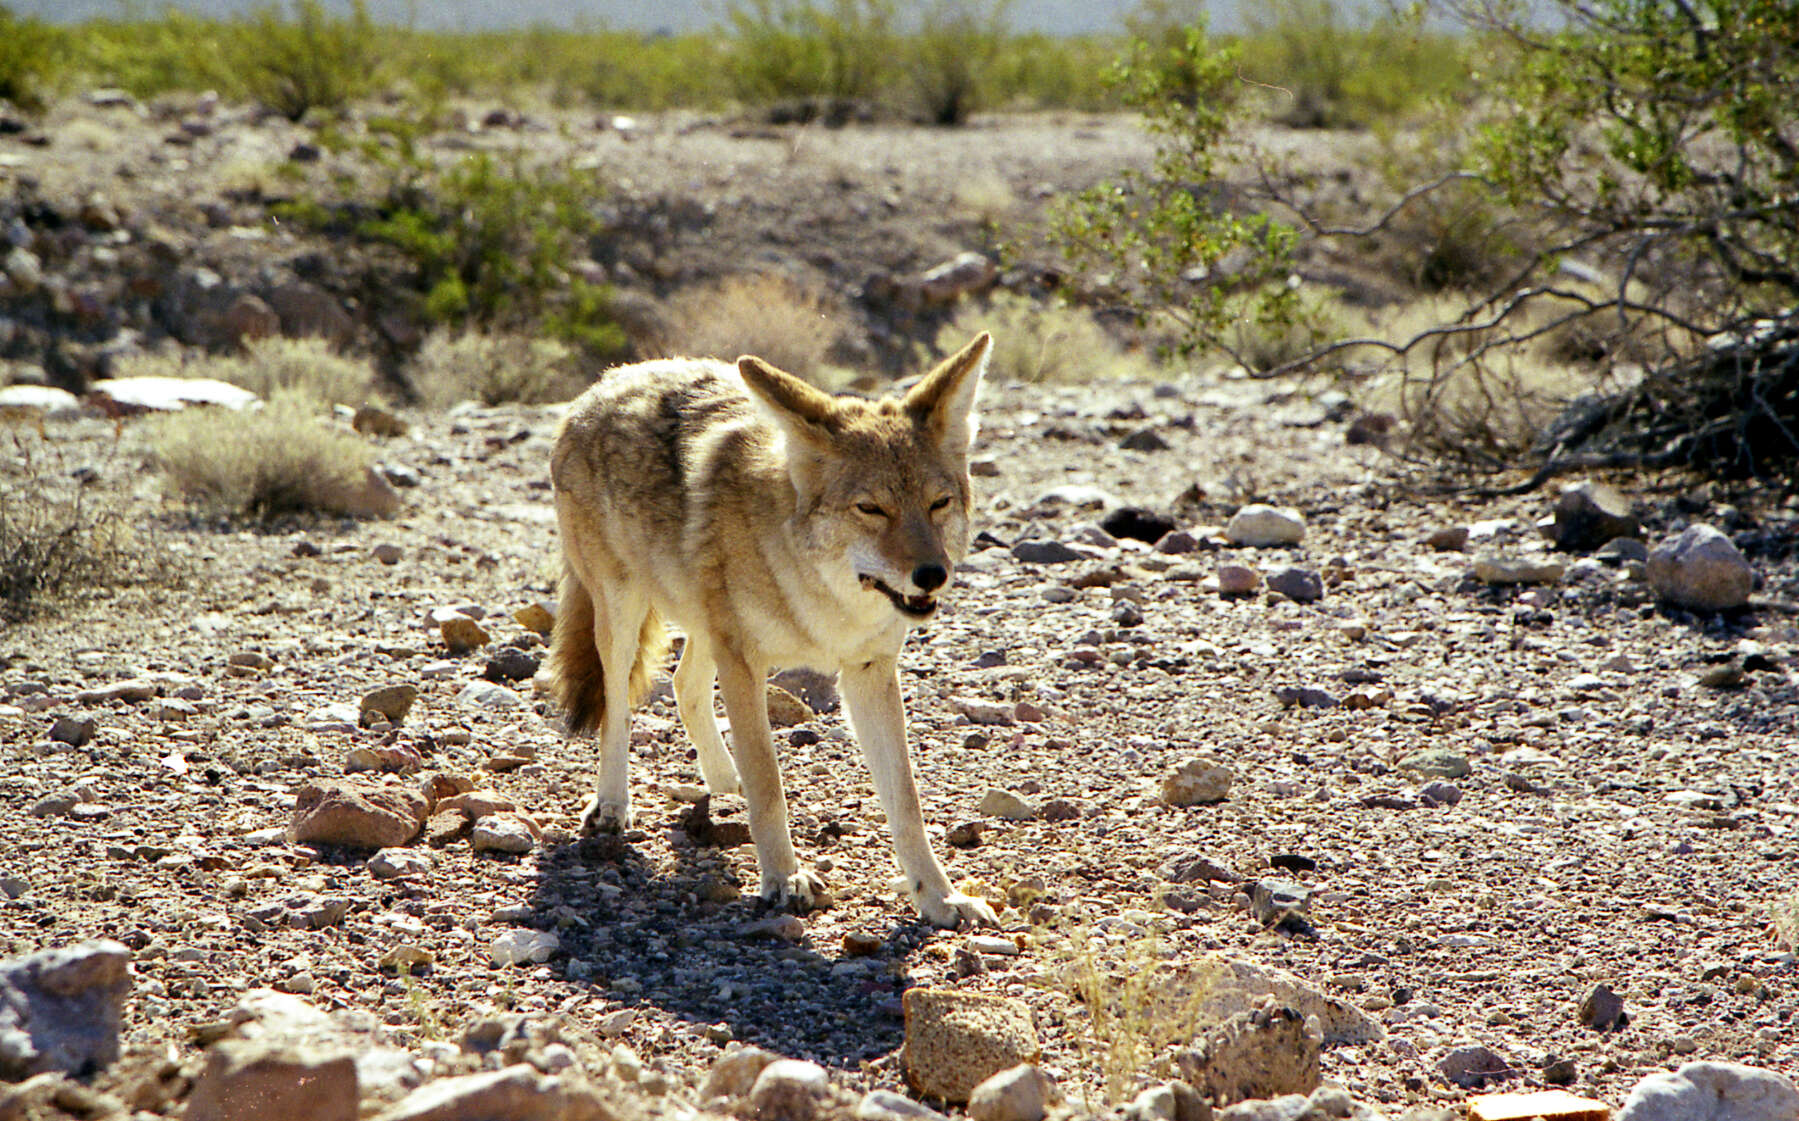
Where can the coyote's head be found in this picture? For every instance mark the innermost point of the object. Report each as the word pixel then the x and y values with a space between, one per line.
pixel 881 486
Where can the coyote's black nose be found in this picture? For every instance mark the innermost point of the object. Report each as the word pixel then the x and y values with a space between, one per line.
pixel 929 577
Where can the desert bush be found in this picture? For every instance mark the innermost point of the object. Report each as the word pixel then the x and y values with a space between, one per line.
pixel 286 457
pixel 27 49
pixel 494 369
pixel 764 314
pixel 174 52
pixel 783 49
pixel 949 59
pixel 58 533
pixel 315 60
pixel 1784 918
pixel 1168 239
pixel 1036 341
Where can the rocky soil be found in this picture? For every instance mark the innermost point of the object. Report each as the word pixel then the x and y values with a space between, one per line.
pixel 1531 831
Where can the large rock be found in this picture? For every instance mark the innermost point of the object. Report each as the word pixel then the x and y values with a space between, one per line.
pixel 272 1081
pixel 1700 569
pixel 1258 1054
pixel 1587 515
pixel 281 1031
pixel 1216 987
pixel 128 396
pixel 516 1093
pixel 305 309
pixel 60 1009
pixel 1710 1091
pixel 1259 525
pixel 357 814
pixel 957 1040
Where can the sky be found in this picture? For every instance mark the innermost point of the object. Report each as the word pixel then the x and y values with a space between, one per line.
pixel 1059 17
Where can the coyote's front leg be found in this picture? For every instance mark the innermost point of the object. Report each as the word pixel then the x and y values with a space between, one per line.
pixel 871 694
pixel 745 691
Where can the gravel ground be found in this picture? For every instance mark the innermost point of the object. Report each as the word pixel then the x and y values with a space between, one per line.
pixel 1620 821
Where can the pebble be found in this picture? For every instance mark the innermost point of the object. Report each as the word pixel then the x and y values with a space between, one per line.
pixel 1701 569
pixel 1517 570
pixel 392 864
pixel 74 731
pixel 462 634
pixel 386 553
pixel 1437 762
pixel 540 618
pixel 1020 1093
pixel 1259 525
pixel 501 834
pixel 487 695
pixel 524 947
pixel 1007 805
pixel 1238 580
pixel 955 1040
pixel 885 1105
pixel 1439 793
pixel 1197 781
pixel 1046 552
pixel 1603 1010
pixel 390 702
pixel 1472 1066
pixel 1449 539
pixel 509 663
pixel 1301 585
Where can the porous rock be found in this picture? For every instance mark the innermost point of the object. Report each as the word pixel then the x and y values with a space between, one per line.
pixel 1256 1054
pixel 264 1080
pixel 1701 569
pixel 1197 781
pixel 957 1040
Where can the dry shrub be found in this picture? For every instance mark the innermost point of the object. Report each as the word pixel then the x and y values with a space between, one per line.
pixel 1141 1008
pixel 762 314
pixel 285 457
pixel 58 534
pixel 1043 342
pixel 1784 915
pixel 495 369
pixel 267 367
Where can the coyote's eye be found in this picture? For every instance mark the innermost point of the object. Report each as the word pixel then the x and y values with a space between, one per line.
pixel 870 509
pixel 940 504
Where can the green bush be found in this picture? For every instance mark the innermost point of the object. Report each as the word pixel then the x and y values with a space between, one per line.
pixel 27 59
pixel 950 58
pixel 313 61
pixel 785 49
pixel 1166 241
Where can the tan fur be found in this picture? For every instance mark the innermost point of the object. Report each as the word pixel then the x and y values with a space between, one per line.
pixel 777 526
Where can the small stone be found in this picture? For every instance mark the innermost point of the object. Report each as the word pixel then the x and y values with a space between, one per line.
pixel 501 834
pixel 1560 1072
pixel 1472 1066
pixel 956 1040
pixel 1449 539
pixel 487 695
pixel 524 947
pixel 1274 902
pixel 1437 762
pixel 393 864
pixel 1589 514
pixel 1238 580
pixel 1046 552
pixel 509 663
pixel 1197 781
pixel 1259 526
pixel 390 702
pixel 785 710
pixel 1439 793
pixel 789 1089
pixel 1517 570
pixel 1700 569
pixel 359 815
pixel 1144 440
pixel 1178 543
pixel 273 1080
pixel 1301 585
pixel 885 1105
pixel 1305 697
pixel 964 835
pixel 387 553
pixel 1007 805
pixel 734 1073
pixel 1020 1093
pixel 983 712
pixel 72 730
pixel 536 617
pixel 372 420
pixel 407 959
pixel 462 634
pixel 1134 523
pixel 1262 1053
pixel 1603 1010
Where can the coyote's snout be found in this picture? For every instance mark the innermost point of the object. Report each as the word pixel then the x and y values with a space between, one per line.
pixel 777 525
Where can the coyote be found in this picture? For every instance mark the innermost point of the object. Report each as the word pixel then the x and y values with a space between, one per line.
pixel 778 526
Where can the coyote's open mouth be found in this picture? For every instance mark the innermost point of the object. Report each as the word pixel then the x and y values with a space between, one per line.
pixel 918 607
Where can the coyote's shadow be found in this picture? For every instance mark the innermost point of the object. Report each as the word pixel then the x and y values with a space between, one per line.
pixel 666 938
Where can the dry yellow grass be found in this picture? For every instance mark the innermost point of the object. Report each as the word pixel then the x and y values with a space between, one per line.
pixel 494 369
pixel 1043 342
pixel 762 314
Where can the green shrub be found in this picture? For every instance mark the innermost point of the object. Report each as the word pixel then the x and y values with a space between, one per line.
pixel 286 457
pixel 1166 240
pixel 27 59
pixel 950 58
pixel 314 61
pixel 785 49
pixel 175 52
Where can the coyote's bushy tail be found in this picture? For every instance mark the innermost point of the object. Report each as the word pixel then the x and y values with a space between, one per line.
pixel 578 679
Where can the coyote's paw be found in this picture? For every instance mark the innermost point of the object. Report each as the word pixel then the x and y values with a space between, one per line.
pixel 953 909
pixel 720 780
pixel 605 817
pixel 799 893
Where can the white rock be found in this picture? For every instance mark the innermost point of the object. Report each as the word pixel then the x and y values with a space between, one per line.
pixel 162 394
pixel 1021 1093
pixel 44 399
pixel 1701 569
pixel 885 1105
pixel 494 833
pixel 391 864
pixel 524 947
pixel 485 694
pixel 1258 525
pixel 788 1088
pixel 1710 1091
pixel 1006 805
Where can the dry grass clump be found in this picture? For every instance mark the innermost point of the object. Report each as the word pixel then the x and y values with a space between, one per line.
pixel 285 457
pixel 267 367
pixel 1140 1009
pixel 763 314
pixel 495 369
pixel 1784 913
pixel 1043 342
pixel 58 533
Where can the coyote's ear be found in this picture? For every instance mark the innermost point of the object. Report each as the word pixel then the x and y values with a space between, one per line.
pixel 800 409
pixel 944 399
